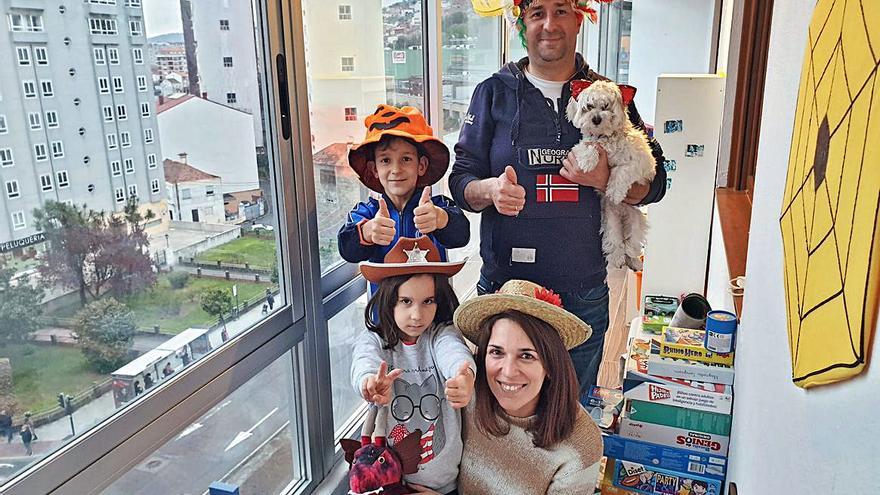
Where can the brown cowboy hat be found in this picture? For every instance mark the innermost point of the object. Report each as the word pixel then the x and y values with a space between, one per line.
pixel 525 297
pixel 410 256
pixel 405 122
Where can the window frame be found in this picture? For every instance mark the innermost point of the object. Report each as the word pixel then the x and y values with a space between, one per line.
pixel 44 60
pixel 23 223
pixel 99 59
pixel 128 166
pixel 12 189
pixel 47 89
pixel 29 95
pixel 26 51
pixel 7 158
pixel 54 122
pixel 112 55
pixel 46 184
pixel 62 183
pixel 57 149
pixel 115 168
pixel 4 125
pixel 41 152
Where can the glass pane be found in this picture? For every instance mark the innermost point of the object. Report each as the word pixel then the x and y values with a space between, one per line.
pixel 102 307
pixel 250 440
pixel 357 56
pixel 343 329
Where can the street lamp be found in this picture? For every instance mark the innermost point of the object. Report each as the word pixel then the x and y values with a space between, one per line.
pixel 167 241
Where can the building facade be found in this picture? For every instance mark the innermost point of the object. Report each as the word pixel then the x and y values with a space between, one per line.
pixel 77 118
pixel 193 194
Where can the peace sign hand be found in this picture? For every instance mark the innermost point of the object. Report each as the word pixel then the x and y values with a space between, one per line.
pixel 378 388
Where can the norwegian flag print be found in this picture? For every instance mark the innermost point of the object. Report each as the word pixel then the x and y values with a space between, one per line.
pixel 551 188
pixel 427 441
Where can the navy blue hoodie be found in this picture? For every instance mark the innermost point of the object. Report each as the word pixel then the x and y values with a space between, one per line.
pixel 509 122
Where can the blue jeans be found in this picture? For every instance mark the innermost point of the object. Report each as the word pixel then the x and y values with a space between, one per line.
pixel 591 306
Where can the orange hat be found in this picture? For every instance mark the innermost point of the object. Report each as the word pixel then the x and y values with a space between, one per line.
pixel 405 122
pixel 410 256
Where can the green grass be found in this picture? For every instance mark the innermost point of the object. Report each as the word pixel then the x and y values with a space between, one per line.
pixel 40 376
pixel 258 252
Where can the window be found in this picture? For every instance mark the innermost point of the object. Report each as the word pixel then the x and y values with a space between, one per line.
pixel 148 136
pixel 29 88
pixel 3 128
pixel 57 149
pixel 115 168
pixel 224 24
pixel 117 84
pixel 108 113
pixel 151 161
pixel 18 222
pixel 145 109
pixel 125 139
pixel 52 119
pixel 230 98
pixel 102 25
pixel 133 3
pixel 345 12
pixel 103 85
pixel 209 191
pixel 113 55
pixel 31 23
pixel 24 55
pixel 46 182
pixel 102 2
pixel 99 55
pixel 129 166
pixel 135 27
pixel 351 114
pixel 121 112
pixel 112 143
pixel 12 189
pixel 185 194
pixel 227 61
pixel 120 194
pixel 132 191
pixel 137 54
pixel 34 121
pixel 154 186
pixel 40 153
pixel 6 157
pixel 347 64
pixel 142 83
pixel 47 89
pixel 41 55
pixel 62 179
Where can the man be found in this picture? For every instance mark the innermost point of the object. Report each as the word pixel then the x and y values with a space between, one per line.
pixel 6 426
pixel 540 213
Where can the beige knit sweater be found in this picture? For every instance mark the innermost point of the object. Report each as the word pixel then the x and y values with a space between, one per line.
pixel 512 465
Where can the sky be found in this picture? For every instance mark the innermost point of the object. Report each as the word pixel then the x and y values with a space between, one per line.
pixel 163 16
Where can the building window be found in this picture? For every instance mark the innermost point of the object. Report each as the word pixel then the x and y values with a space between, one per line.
pixel 351 114
pixel 3 128
pixel 136 28
pixel 148 136
pixel 34 121
pixel 151 161
pixel 129 166
pixel 121 112
pixel 132 191
pixel 113 55
pixel 112 143
pixel 40 153
pixel 138 55
pixel 100 56
pixel 209 191
pixel 154 186
pixel 115 168
pixel 47 89
pixel 102 2
pixel 24 55
pixel 103 85
pixel 125 139
pixel 26 22
pixel 41 55
pixel 52 119
pixel 185 194
pixel 12 189
pixel 57 149
pixel 230 98
pixel 345 12
pixel 142 83
pixel 102 25
pixel 347 64
pixel 145 109
pixel 18 222
pixel 117 85
pixel 133 3
pixel 227 61
pixel 120 195
pixel 62 179
pixel 46 182
pixel 108 113
pixel 29 88
pixel 224 24
pixel 6 157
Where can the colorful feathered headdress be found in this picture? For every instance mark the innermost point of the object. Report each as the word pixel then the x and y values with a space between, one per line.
pixel 512 9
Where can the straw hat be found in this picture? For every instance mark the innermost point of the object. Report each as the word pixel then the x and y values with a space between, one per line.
pixel 409 257
pixel 525 297
pixel 405 122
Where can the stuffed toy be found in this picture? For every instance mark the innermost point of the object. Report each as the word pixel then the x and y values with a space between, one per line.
pixel 375 466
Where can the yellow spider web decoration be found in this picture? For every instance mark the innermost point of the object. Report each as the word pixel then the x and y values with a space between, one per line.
pixel 829 220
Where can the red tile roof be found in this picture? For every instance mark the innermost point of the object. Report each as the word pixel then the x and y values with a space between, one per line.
pixel 177 172
pixel 170 103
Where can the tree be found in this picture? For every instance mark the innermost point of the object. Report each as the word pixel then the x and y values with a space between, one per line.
pixel 105 331
pixel 216 302
pixel 20 307
pixel 94 252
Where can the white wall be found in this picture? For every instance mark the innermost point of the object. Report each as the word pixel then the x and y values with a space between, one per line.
pixel 668 37
pixel 787 440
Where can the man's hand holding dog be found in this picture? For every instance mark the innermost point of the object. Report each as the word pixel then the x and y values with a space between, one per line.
pixel 428 216
pixel 380 229
pixel 508 196
pixel 596 178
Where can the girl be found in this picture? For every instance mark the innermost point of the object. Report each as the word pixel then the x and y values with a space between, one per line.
pixel 413 359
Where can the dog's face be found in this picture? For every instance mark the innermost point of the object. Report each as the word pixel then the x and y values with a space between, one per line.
pixel 598 110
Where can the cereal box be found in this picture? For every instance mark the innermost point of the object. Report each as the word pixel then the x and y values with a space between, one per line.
pixel 678 417
pixel 649 480
pixel 680 395
pixel 671 436
pixel 687 343
pixel 705 465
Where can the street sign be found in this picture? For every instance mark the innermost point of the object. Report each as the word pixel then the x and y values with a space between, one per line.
pixel 235 290
pixel 398 57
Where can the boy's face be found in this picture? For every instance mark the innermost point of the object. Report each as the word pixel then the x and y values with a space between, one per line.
pixel 398 168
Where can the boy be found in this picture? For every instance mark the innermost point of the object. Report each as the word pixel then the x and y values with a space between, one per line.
pixel 400 159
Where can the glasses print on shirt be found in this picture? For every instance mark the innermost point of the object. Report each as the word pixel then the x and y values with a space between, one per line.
pixel 419 407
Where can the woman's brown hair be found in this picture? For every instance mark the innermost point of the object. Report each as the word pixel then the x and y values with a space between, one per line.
pixel 558 403
pixel 382 304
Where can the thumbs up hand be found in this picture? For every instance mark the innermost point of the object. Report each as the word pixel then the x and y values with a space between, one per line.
pixel 460 388
pixel 508 196
pixel 428 216
pixel 380 229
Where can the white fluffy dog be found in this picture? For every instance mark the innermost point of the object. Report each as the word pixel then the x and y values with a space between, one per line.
pixel 600 114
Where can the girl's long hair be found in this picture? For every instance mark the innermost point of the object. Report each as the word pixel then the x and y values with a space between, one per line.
pixel 383 301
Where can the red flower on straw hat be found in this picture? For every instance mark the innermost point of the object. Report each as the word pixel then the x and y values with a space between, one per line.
pixel 549 296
